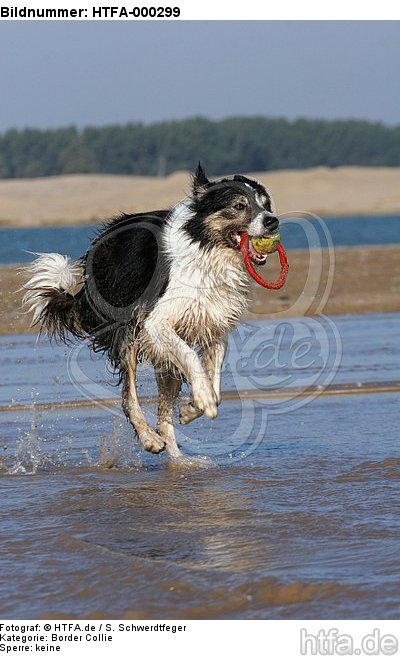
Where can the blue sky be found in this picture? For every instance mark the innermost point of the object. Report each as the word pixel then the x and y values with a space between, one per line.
pixel 97 73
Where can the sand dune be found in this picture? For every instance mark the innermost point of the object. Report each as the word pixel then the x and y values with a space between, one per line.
pixel 89 198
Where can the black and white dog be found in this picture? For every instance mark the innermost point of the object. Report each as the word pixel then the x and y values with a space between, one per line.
pixel 165 287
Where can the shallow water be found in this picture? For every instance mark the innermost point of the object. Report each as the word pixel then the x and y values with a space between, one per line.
pixel 294 513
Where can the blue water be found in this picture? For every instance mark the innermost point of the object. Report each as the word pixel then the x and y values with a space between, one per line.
pixel 296 519
pixel 296 233
pixel 17 245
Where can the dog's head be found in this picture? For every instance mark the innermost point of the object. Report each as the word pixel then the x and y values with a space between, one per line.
pixel 224 209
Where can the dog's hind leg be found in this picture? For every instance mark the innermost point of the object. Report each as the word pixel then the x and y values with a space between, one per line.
pixel 168 390
pixel 149 439
pixel 213 360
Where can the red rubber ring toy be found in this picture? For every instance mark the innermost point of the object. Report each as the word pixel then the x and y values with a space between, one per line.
pixel 244 247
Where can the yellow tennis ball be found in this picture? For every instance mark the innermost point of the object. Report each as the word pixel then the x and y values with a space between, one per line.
pixel 264 245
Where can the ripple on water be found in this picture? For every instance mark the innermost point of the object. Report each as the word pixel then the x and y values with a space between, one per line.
pixel 305 526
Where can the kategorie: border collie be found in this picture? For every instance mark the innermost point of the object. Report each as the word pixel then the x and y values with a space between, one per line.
pixel 160 286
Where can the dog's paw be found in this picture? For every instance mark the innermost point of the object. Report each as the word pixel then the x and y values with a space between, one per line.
pixel 205 399
pixel 187 413
pixel 151 441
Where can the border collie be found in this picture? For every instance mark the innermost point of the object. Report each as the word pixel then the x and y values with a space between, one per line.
pixel 165 287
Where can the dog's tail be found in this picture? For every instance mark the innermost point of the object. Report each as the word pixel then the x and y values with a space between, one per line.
pixel 49 294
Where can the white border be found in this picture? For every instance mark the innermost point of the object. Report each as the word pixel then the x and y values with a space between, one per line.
pixel 222 10
pixel 203 637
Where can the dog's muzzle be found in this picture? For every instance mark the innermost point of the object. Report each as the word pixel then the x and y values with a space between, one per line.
pixel 264 223
pixel 271 224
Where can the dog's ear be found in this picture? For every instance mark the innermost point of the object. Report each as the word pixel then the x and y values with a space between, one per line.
pixel 200 180
pixel 241 178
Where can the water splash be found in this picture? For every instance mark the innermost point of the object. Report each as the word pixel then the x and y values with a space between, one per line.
pixel 27 455
pixel 117 449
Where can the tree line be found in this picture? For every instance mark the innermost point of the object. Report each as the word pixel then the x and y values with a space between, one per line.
pixel 230 145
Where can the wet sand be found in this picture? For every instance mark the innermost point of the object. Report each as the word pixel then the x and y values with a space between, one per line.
pixel 363 280
pixel 73 199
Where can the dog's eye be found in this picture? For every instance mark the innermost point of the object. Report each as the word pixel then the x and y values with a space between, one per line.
pixel 239 207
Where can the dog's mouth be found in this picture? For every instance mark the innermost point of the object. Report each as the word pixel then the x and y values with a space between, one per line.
pixel 256 258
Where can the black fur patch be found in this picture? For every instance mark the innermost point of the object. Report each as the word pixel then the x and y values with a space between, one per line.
pixel 126 273
pixel 60 316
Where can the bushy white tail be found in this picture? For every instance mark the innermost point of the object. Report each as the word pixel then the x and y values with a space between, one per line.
pixel 53 277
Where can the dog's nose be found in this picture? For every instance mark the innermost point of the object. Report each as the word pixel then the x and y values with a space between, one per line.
pixel 270 222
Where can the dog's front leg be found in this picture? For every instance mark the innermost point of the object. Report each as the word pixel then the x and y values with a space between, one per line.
pixel 149 439
pixel 213 360
pixel 169 385
pixel 169 347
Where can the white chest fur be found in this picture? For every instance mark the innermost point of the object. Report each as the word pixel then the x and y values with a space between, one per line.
pixel 207 290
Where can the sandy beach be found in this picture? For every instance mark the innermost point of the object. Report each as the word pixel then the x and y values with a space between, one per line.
pixel 360 280
pixel 75 199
